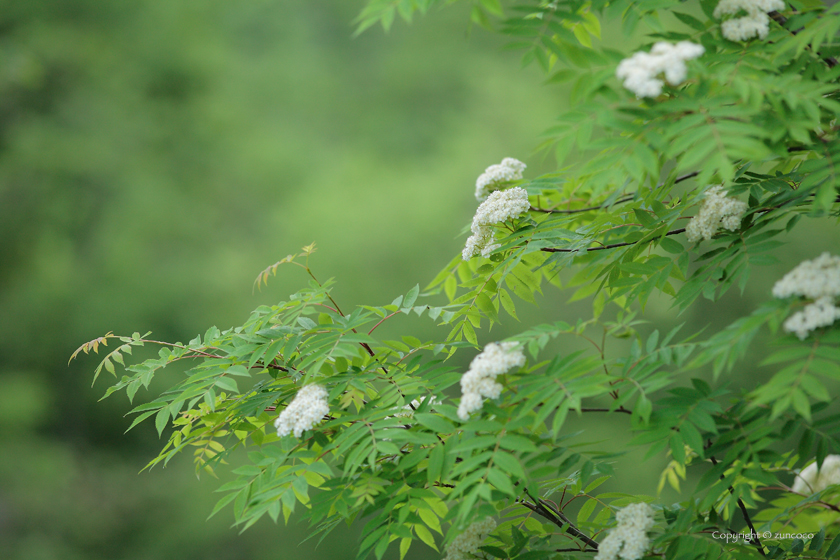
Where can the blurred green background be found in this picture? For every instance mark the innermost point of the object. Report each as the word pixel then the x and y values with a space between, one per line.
pixel 154 157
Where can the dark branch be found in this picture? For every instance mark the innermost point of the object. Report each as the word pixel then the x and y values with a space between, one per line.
pixel 545 509
pixel 619 409
pixel 269 366
pixel 578 210
pixel 628 198
pixel 753 532
pixel 603 247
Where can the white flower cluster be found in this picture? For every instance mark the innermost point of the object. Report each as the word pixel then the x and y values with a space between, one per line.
pixel 629 539
pixel 819 280
pixel 755 23
pixel 307 409
pixel 821 313
pixel 480 380
pixel 494 176
pixel 465 546
pixel 717 211
pixel 811 480
pixel 500 206
pixel 812 279
pixel 640 70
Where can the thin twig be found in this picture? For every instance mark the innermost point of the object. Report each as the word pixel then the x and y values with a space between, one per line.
pixel 337 308
pixel 383 320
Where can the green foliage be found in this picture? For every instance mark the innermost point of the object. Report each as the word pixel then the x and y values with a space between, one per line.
pixel 395 454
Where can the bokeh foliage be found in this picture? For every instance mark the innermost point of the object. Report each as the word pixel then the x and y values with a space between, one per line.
pixel 155 156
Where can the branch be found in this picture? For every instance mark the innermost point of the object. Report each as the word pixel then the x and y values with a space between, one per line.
pixel 619 201
pixel 269 366
pixel 672 232
pixel 619 409
pixel 603 247
pixel 383 320
pixel 540 507
pixel 338 309
pixel 753 532
pixel 789 489
pixel 577 210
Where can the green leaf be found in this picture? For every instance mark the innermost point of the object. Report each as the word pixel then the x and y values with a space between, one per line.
pixel 469 333
pixel 671 245
pixel 817 541
pixel 222 503
pixel 509 463
pixel 586 471
pixel 677 447
pixel 507 303
pixel 644 217
pixel 692 437
pixel 834 548
pixel 805 444
pixel 586 511
pixel 411 296
pixel 801 404
pixel 405 544
pixel 227 384
pixel 485 304
pixel 435 423
pixel 595 484
pixel 433 472
pixel 690 21
pixel 425 535
pixel 643 408
pixel 494 552
pixel 161 420
pixel 500 480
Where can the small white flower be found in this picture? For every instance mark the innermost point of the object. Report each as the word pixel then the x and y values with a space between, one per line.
pixel 479 382
pixel 821 313
pixel 465 546
pixel 817 279
pixel 754 23
pixel 481 242
pixel 810 480
pixel 502 206
pixel 496 175
pixel 628 540
pixel 640 71
pixel 812 279
pixel 499 207
pixel 717 211
pixel 307 409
